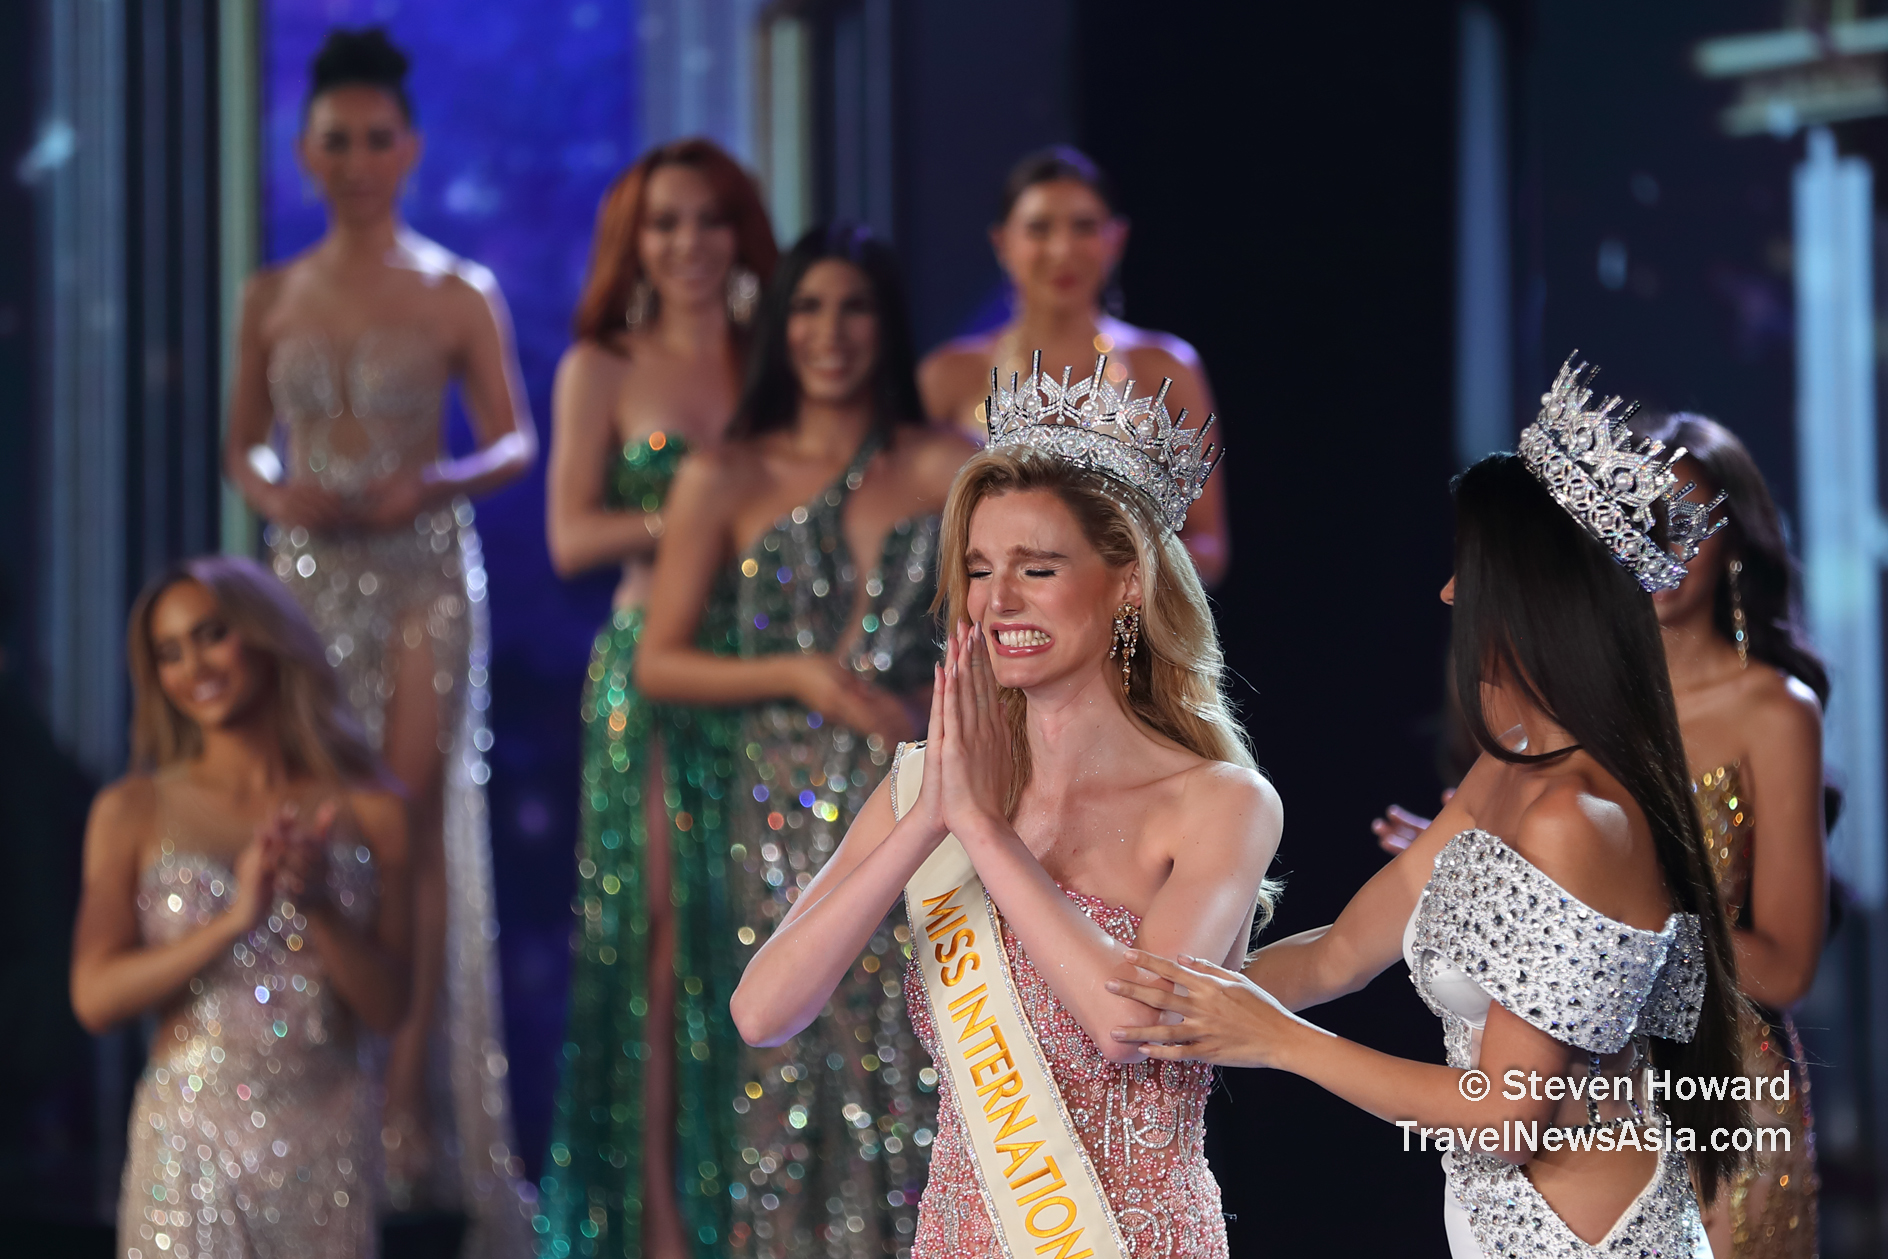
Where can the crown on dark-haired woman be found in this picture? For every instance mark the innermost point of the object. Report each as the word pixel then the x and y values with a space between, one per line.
pixel 1091 424
pixel 1608 480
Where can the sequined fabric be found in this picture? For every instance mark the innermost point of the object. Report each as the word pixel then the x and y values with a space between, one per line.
pixel 1585 979
pixel 1773 1199
pixel 1510 1219
pixel 254 1131
pixel 834 1126
pixel 592 1191
pixel 1143 1125
pixel 376 597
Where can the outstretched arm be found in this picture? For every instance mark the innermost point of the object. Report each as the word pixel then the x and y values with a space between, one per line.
pixel 1325 963
pixel 1217 1015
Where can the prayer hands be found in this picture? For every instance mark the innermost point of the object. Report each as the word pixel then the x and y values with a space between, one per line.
pixel 973 762
pixel 1217 1015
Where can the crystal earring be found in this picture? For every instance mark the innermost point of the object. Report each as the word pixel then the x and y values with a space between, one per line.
pixel 1127 636
pixel 642 305
pixel 1740 627
pixel 743 296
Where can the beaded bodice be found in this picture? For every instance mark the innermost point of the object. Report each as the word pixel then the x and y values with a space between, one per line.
pixel 1143 1125
pixel 357 414
pixel 1729 831
pixel 268 995
pixel 1585 979
pixel 639 480
pixel 799 589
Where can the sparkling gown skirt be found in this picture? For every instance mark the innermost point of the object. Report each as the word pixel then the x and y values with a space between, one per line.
pixel 593 1181
pixel 427 585
pixel 835 1126
pixel 1773 1200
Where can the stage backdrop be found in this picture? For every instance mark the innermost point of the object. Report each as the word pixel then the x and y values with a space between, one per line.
pixel 527 112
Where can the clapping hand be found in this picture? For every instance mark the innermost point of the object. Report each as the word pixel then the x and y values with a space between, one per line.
pixel 303 853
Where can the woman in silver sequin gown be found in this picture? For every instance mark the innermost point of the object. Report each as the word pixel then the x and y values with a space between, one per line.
pixel 247 886
pixel 1558 917
pixel 350 347
pixel 805 550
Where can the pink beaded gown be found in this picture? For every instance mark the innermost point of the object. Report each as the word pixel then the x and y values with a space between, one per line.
pixel 1143 1125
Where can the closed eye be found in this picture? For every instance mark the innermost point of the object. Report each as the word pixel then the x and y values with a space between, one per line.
pixel 979 573
pixel 1039 572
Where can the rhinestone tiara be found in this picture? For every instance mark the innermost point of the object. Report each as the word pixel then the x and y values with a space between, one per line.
pixel 1092 425
pixel 1609 481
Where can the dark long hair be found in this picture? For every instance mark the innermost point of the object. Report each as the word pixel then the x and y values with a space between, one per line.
pixel 615 256
pixel 1540 602
pixel 1769 585
pixel 770 399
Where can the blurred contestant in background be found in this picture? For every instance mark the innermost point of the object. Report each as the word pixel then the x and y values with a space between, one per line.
pixel 1059 238
pixel 247 884
pixel 351 345
pixel 682 250
pixel 809 544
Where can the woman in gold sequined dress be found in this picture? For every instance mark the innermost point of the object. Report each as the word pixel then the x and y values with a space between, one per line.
pixel 350 347
pixel 247 886
pixel 1750 698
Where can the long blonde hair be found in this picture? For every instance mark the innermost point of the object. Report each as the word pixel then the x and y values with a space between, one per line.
pixel 1176 683
pixel 318 734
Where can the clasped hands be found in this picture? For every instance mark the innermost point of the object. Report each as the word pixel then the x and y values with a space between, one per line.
pixel 388 503
pixel 967 759
pixel 286 860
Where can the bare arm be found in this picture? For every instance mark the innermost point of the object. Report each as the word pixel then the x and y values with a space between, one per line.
pixel 1227 830
pixel 370 968
pixel 1789 884
pixel 1226 1019
pixel 1325 963
pixel 583 533
pixel 495 399
pixel 795 973
pixel 115 976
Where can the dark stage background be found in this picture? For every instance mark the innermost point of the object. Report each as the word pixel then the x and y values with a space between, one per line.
pixel 1290 174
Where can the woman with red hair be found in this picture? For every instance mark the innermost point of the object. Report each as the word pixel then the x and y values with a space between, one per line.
pixel 682 250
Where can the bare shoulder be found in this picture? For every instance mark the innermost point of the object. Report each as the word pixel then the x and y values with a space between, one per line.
pixel 588 364
pixel 381 816
pixel 716 479
pixel 121 820
pixel 263 289
pixel 1781 706
pixel 1152 348
pixel 1574 836
pixel 932 454
pixel 952 373
pixel 1237 810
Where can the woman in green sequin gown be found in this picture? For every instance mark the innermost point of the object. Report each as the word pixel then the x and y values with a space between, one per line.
pixel 640 1123
pixel 813 534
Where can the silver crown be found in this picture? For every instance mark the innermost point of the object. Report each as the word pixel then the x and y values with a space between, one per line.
pixel 1089 423
pixel 1608 480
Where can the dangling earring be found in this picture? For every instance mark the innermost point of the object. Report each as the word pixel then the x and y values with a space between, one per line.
pixel 1127 636
pixel 642 305
pixel 743 296
pixel 1739 626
